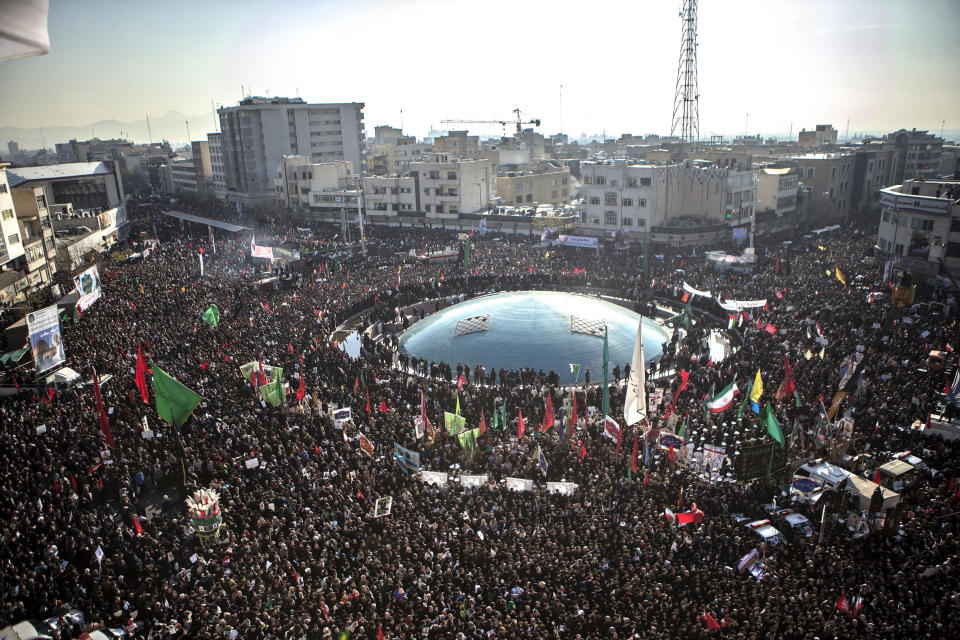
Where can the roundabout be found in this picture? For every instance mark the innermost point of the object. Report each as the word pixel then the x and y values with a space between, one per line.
pixel 542 330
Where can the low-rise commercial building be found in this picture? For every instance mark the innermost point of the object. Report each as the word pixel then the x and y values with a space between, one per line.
pixel 777 190
pixel 829 177
pixel 823 134
pixel 448 186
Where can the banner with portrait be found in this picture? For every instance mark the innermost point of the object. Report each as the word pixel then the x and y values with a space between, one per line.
pixel 88 288
pixel 46 343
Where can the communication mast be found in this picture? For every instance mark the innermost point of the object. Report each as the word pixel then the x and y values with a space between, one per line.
pixel 686 116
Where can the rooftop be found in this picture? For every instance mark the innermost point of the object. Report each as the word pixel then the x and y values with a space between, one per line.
pixel 20 175
pixel 822 156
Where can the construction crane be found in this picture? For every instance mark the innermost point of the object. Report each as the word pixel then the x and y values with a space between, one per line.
pixel 503 123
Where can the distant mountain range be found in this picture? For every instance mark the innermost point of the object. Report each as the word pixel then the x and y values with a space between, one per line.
pixel 170 126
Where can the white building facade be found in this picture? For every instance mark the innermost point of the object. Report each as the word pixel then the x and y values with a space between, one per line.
pixel 920 225
pixel 448 187
pixel 218 179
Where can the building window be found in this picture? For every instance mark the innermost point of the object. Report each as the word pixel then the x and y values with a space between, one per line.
pixel 438 208
pixel 519 187
pixel 601 180
pixel 454 209
pixel 643 202
pixel 13 239
pixel 529 197
pixel 434 175
pixel 588 180
pixel 809 172
pixel 628 222
pixel 610 197
pixel 610 218
pixel 451 175
pixel 927 225
pixel 594 200
pixel 631 183
pixel 564 182
pixel 8 214
pixel 645 182
pixel 553 194
pixel 3 188
pixel 519 199
pixel 426 191
pixel 41 202
pixel 628 202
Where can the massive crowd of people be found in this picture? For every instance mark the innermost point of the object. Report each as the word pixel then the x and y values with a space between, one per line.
pixel 301 553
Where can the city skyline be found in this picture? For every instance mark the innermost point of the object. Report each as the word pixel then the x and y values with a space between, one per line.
pixel 876 64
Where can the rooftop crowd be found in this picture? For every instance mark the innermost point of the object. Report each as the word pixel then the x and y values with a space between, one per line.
pixel 302 555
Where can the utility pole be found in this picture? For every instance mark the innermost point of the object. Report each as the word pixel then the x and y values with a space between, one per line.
pixel 189 139
pixel 753 207
pixel 216 122
pixel 149 133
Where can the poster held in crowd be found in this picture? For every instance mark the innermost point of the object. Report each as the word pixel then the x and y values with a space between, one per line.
pixel 88 288
pixel 469 481
pixel 46 343
pixel 409 460
pixel 519 484
pixel 382 507
pixel 563 488
pixel 365 445
pixel 438 478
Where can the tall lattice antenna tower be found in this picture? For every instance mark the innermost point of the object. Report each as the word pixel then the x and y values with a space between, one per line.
pixel 686 115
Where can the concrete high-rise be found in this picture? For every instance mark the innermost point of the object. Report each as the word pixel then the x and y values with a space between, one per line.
pixel 258 132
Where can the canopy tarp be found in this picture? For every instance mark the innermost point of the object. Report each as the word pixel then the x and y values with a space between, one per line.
pixel 864 489
pixel 219 224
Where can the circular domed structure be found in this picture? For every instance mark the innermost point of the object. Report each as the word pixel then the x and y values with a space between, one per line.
pixel 538 329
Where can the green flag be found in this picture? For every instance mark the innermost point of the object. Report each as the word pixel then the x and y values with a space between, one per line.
pixel 683 427
pixel 496 417
pixel 746 400
pixel 211 316
pixel 606 384
pixel 796 397
pixel 503 415
pixel 175 402
pixel 466 254
pixel 575 370
pixel 458 404
pixel 770 421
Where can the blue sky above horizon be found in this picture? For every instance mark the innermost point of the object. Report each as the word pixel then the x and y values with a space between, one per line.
pixel 883 64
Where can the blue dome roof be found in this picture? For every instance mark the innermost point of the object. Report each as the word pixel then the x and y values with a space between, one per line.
pixel 515 330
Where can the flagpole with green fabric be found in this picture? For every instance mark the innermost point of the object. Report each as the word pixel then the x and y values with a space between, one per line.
pixel 746 400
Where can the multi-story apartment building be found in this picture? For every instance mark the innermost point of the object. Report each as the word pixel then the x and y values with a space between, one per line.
pixel 257 133
pixel 823 134
pixel 874 167
pixel 777 190
pixel 183 176
pixel 543 183
pixel 829 177
pixel 918 154
pixel 301 184
pixel 619 196
pixel 217 177
pixel 448 186
pixel 12 277
pixel 390 158
pixel 390 195
pixel 458 144
pixel 203 166
pixel 919 225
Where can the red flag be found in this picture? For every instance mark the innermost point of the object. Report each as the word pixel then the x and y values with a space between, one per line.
pixel 672 455
pixel 356 384
pixel 423 416
pixel 367 390
pixel 263 378
pixel 646 478
pixel 301 390
pixel 141 377
pixel 777 267
pixel 460 383
pixel 73 483
pixel 326 612
pixel 343 286
pixel 686 296
pixel 711 621
pixel 379 632
pixel 136 524
pixel 583 452
pixel 684 378
pixel 772 330
pixel 483 423
pixel 786 389
pixel 290 347
pixel 843 604
pixel 876 477
pixel 104 425
pixel 383 406
pixel 204 365
pixel 547 414
pixel 636 443
pixel 520 427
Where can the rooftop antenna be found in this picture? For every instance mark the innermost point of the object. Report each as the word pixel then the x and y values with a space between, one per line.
pixel 216 122
pixel 686 100
pixel 561 108
pixel 943 123
pixel 847 133
pixel 189 139
pixel 149 133
pixel 791 132
pixel 401 119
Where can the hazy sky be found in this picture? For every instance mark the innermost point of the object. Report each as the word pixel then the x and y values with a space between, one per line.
pixel 882 64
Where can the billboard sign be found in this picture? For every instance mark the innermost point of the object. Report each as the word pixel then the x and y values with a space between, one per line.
pixel 43 329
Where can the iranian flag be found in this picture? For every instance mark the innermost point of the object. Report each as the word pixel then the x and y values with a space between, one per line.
pixel 722 401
